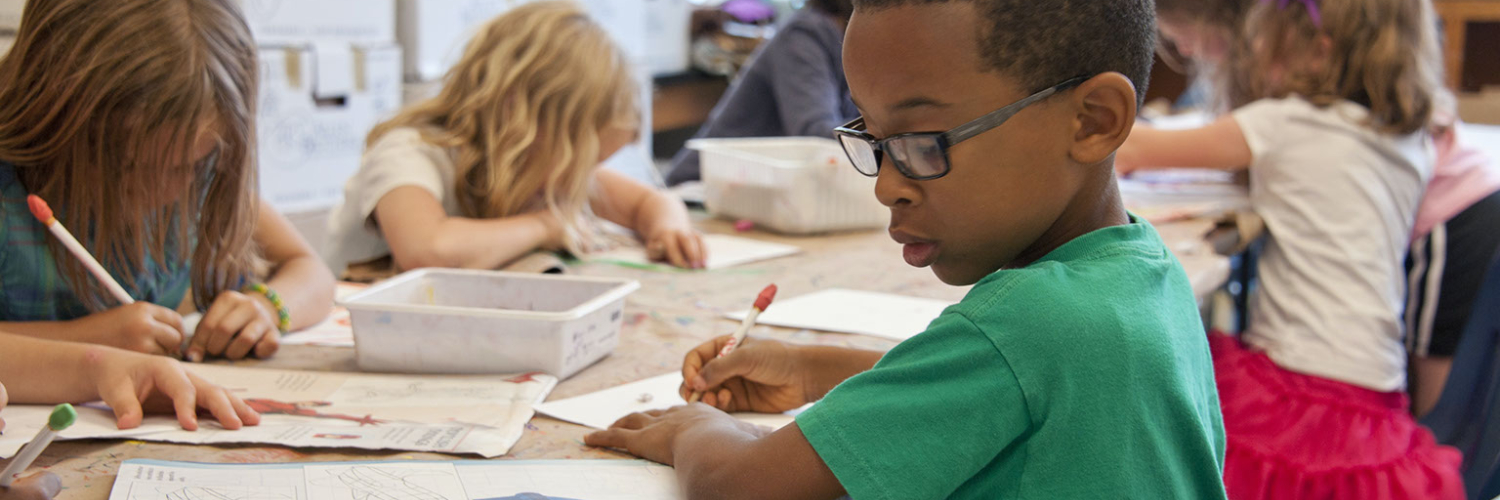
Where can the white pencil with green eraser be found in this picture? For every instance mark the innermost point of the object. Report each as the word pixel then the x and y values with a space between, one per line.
pixel 62 417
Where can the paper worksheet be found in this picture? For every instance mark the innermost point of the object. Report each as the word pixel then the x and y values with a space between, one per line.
pixel 894 317
pixel 723 251
pixel 482 415
pixel 406 480
pixel 600 409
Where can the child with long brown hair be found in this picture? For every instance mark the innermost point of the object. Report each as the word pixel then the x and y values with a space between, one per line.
pixel 135 120
pixel 505 159
pixel 1453 242
pixel 1334 111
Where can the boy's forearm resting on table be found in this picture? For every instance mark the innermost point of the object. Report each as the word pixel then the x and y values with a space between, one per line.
pixel 724 458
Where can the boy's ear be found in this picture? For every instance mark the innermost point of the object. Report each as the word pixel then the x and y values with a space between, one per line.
pixel 1106 108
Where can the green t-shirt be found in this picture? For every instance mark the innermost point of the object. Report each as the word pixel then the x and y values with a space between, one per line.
pixel 1083 375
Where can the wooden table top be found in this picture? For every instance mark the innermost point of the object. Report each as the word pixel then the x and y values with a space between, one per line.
pixel 671 312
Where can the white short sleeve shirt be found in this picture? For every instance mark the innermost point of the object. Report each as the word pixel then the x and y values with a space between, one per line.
pixel 1339 200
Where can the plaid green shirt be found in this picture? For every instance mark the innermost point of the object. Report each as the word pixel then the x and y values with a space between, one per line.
pixel 31 288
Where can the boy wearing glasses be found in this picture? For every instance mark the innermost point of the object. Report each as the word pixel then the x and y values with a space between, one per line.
pixel 1076 367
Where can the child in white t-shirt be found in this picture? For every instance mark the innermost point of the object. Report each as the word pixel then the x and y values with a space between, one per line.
pixel 1339 156
pixel 504 160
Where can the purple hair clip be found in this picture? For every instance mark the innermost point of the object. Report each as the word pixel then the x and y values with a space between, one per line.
pixel 1312 9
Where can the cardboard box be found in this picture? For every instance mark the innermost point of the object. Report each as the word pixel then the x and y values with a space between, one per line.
pixel 415 91
pixel 1480 107
pixel 668 36
pixel 433 33
pixel 10 14
pixel 317 104
pixel 291 21
pixel 277 22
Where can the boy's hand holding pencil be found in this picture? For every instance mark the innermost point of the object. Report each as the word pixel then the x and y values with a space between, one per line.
pixel 761 376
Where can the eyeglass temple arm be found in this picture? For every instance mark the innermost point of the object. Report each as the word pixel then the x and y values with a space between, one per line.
pixel 999 116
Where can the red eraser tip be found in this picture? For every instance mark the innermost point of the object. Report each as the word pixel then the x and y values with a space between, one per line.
pixel 39 208
pixel 744 225
pixel 765 298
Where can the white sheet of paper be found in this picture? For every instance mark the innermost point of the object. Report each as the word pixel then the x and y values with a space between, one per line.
pixel 723 251
pixel 482 415
pixel 600 409
pixel 839 310
pixel 406 480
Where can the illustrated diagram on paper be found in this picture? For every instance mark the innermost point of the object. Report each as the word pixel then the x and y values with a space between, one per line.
pixel 179 491
pixel 430 481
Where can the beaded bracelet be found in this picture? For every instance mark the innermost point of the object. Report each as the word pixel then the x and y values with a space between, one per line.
pixel 283 318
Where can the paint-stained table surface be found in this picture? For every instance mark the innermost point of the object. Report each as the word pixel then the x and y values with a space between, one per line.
pixel 671 312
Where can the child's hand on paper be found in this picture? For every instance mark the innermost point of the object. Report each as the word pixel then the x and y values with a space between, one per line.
pixel 133 384
pixel 141 327
pixel 652 435
pixel 236 325
pixel 761 375
pixel 678 245
pixel 39 486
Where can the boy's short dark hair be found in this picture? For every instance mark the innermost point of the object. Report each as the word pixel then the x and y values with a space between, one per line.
pixel 837 8
pixel 1045 42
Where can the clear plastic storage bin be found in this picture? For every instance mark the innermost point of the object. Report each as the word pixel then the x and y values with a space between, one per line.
pixel 795 185
pixel 464 321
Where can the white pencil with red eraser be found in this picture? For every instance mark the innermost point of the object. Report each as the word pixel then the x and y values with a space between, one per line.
pixel 761 303
pixel 43 213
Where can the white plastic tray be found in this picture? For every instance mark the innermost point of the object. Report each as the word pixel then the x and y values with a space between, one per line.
pixel 465 321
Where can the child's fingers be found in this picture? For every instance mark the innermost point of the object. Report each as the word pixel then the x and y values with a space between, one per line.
pixel 233 325
pixel 633 421
pixel 247 414
pixel 241 344
pixel 208 327
pixel 697 254
pixel 173 382
pixel 268 344
pixel 674 252
pixel 217 403
pixel 715 372
pixel 693 361
pixel 121 397
pixel 168 339
pixel 610 438
pixel 170 318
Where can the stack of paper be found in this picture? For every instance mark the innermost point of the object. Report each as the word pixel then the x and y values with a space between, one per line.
pixel 482 415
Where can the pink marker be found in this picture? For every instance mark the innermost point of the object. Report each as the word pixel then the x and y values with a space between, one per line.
pixel 43 213
pixel 761 303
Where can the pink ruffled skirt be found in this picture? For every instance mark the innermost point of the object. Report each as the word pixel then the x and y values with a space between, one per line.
pixel 1299 437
